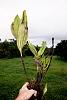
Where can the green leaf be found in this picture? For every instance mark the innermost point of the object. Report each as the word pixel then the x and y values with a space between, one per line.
pixel 45 89
pixel 32 48
pixel 43 47
pixel 15 26
pixel 43 60
pixel 47 60
pixel 24 18
pixel 20 30
pixel 22 37
pixel 12 29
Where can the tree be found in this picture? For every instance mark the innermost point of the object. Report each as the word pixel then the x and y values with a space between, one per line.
pixel 61 49
pixel 9 49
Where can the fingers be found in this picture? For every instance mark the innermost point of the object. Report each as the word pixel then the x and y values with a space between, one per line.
pixel 24 87
pixel 26 84
pixel 33 92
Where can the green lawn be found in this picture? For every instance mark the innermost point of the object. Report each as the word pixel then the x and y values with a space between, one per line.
pixel 12 77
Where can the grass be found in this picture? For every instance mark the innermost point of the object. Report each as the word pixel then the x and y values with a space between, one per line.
pixel 12 78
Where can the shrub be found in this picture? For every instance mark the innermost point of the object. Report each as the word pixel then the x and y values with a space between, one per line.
pixel 61 49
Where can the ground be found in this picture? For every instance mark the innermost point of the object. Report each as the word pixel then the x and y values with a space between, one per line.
pixel 12 78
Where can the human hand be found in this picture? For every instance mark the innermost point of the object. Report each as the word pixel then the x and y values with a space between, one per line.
pixel 25 93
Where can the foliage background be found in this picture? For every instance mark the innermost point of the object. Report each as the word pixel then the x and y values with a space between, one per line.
pixel 12 75
pixel 12 78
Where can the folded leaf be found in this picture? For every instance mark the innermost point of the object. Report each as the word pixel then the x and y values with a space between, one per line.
pixel 19 29
pixel 45 89
pixel 15 26
pixel 43 47
pixel 22 37
pixel 33 49
pixel 24 18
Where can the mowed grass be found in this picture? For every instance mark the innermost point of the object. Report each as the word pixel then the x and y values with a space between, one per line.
pixel 12 78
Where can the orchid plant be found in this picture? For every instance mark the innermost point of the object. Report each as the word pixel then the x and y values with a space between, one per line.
pixel 19 28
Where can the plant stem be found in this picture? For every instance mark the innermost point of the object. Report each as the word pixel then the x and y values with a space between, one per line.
pixel 22 61
pixel 40 71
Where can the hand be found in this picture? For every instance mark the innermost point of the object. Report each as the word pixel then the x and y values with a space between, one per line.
pixel 25 93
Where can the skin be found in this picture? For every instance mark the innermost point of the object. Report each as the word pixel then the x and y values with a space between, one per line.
pixel 25 93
